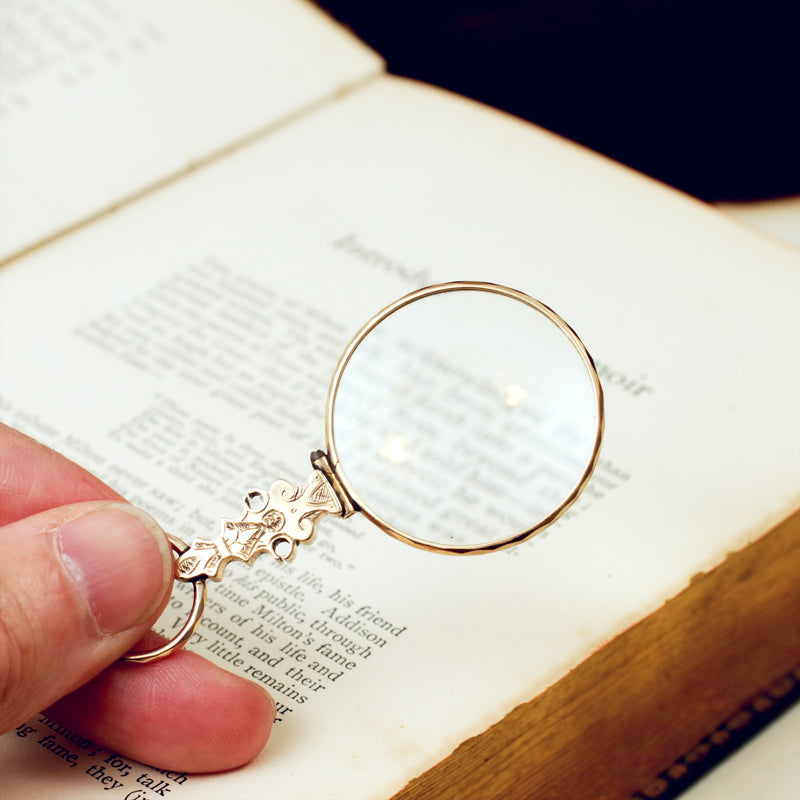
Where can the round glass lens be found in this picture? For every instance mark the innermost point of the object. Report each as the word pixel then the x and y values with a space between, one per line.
pixel 466 418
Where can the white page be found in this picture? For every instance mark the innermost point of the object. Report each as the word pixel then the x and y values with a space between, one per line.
pixel 692 320
pixel 766 766
pixel 101 99
pixel 779 218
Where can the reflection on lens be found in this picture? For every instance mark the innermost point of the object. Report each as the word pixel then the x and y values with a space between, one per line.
pixel 515 394
pixel 394 449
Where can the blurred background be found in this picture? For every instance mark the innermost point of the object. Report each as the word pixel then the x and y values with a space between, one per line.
pixel 700 94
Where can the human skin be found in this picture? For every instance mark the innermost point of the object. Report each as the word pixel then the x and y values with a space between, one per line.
pixel 83 577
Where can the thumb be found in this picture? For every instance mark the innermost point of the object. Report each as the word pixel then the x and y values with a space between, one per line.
pixel 79 585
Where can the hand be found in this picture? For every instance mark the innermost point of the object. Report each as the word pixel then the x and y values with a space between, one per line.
pixel 83 576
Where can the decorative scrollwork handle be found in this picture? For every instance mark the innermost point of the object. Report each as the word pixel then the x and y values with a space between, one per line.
pixel 274 523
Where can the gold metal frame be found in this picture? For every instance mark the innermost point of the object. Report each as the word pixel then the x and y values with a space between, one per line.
pixel 189 627
pixel 275 522
pixel 459 549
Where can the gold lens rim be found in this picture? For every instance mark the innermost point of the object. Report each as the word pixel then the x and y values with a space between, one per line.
pixel 484 547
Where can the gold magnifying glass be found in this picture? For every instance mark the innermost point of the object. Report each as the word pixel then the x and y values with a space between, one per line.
pixel 463 418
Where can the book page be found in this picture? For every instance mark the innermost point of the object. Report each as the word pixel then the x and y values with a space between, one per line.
pixel 102 99
pixel 183 349
pixel 779 218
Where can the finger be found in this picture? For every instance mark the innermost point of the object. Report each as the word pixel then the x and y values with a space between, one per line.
pixel 83 585
pixel 227 719
pixel 182 713
pixel 34 478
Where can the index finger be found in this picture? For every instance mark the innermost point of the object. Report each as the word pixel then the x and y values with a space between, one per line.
pixel 35 478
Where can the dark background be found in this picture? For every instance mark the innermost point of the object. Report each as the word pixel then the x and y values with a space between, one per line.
pixel 701 95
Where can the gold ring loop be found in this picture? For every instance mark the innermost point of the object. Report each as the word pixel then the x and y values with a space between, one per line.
pixel 189 627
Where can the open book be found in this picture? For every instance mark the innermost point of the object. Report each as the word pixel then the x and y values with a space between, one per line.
pixel 577 665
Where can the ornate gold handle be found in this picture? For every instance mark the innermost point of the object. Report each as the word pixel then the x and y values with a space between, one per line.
pixel 274 523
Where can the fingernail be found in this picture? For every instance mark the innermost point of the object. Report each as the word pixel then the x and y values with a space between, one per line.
pixel 119 561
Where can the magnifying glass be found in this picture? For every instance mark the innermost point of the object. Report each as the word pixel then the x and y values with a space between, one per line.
pixel 463 418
